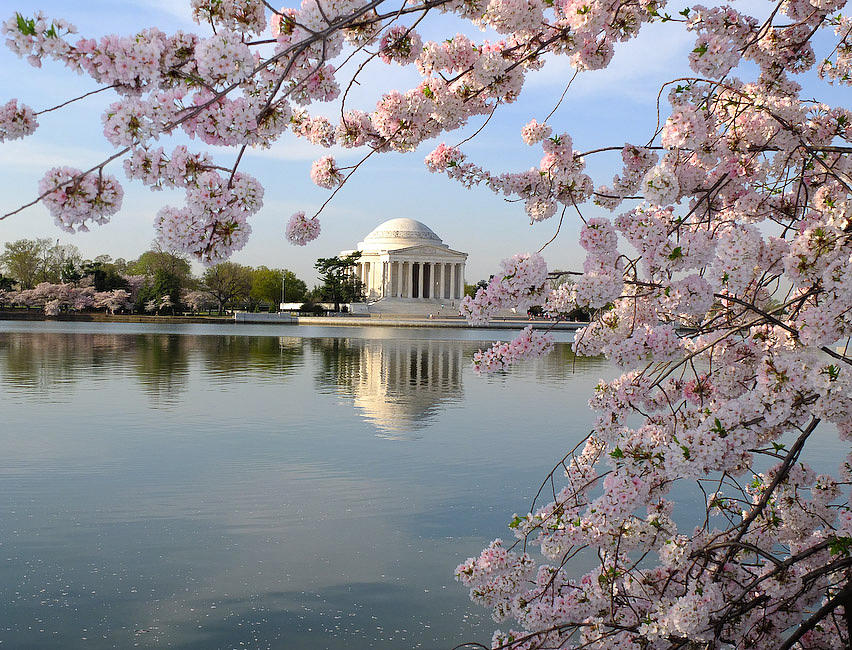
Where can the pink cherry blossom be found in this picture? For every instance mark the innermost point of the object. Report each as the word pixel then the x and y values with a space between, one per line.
pixel 16 121
pixel 301 230
pixel 324 173
pixel 74 198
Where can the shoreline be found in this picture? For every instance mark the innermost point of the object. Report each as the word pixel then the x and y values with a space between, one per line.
pixel 418 321
pixel 284 319
pixel 109 318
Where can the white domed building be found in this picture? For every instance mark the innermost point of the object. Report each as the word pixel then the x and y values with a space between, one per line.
pixel 406 268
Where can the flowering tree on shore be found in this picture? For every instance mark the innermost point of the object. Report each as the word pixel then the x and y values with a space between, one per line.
pixel 55 298
pixel 722 286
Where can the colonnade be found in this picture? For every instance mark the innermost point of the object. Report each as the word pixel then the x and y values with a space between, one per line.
pixel 411 279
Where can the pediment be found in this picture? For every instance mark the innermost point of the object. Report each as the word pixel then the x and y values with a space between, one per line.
pixel 425 250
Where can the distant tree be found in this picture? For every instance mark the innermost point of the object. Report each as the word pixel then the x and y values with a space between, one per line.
pixel 121 265
pixel 22 260
pixel 471 289
pixel 61 263
pixel 295 289
pixel 112 301
pixel 6 283
pixel 266 285
pixel 105 275
pixel 158 260
pixel 557 278
pixel 32 261
pixel 199 300
pixel 164 284
pixel 228 283
pixel 338 284
pixel 70 272
pixel 276 285
pixel 167 275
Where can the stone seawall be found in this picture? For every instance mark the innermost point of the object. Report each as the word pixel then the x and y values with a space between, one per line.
pixel 247 318
pixel 415 321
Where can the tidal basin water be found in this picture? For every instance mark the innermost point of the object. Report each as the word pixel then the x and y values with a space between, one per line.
pixel 263 486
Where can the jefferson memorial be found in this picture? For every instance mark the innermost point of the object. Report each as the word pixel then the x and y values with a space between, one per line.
pixel 406 268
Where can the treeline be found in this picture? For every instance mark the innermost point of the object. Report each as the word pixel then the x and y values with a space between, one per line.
pixel 37 273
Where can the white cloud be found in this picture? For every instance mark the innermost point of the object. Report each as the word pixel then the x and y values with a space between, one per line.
pixel 179 9
pixel 637 71
pixel 40 155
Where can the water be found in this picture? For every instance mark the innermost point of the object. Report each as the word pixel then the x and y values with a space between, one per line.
pixel 262 486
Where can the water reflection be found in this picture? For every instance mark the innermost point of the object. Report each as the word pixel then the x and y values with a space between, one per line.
pixel 209 491
pixel 39 364
pixel 399 386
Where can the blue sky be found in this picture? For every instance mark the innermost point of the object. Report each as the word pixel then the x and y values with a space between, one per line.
pixel 603 108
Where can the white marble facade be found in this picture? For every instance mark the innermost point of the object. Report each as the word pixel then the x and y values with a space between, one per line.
pixel 403 262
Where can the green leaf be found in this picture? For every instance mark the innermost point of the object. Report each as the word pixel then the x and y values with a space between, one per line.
pixel 516 521
pixel 676 253
pixel 832 371
pixel 617 453
pixel 25 25
pixel 840 545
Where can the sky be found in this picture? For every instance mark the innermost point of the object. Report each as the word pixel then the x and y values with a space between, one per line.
pixel 602 108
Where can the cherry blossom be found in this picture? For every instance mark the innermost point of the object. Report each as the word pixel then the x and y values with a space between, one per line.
pixel 400 44
pixel 73 198
pixel 324 173
pixel 16 121
pixel 527 345
pixel 301 230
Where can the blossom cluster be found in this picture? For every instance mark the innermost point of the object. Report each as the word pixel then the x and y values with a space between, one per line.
pixel 73 197
pixel 301 230
pixel 325 173
pixel 16 121
pixel 529 344
pixel 401 44
pixel 560 178
pixel 214 222
pixel 723 299
pixel 234 15
pixel 520 282
pixel 153 167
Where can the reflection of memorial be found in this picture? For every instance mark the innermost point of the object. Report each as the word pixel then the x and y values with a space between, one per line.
pixel 398 386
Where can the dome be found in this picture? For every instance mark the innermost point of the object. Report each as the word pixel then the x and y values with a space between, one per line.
pixel 399 233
